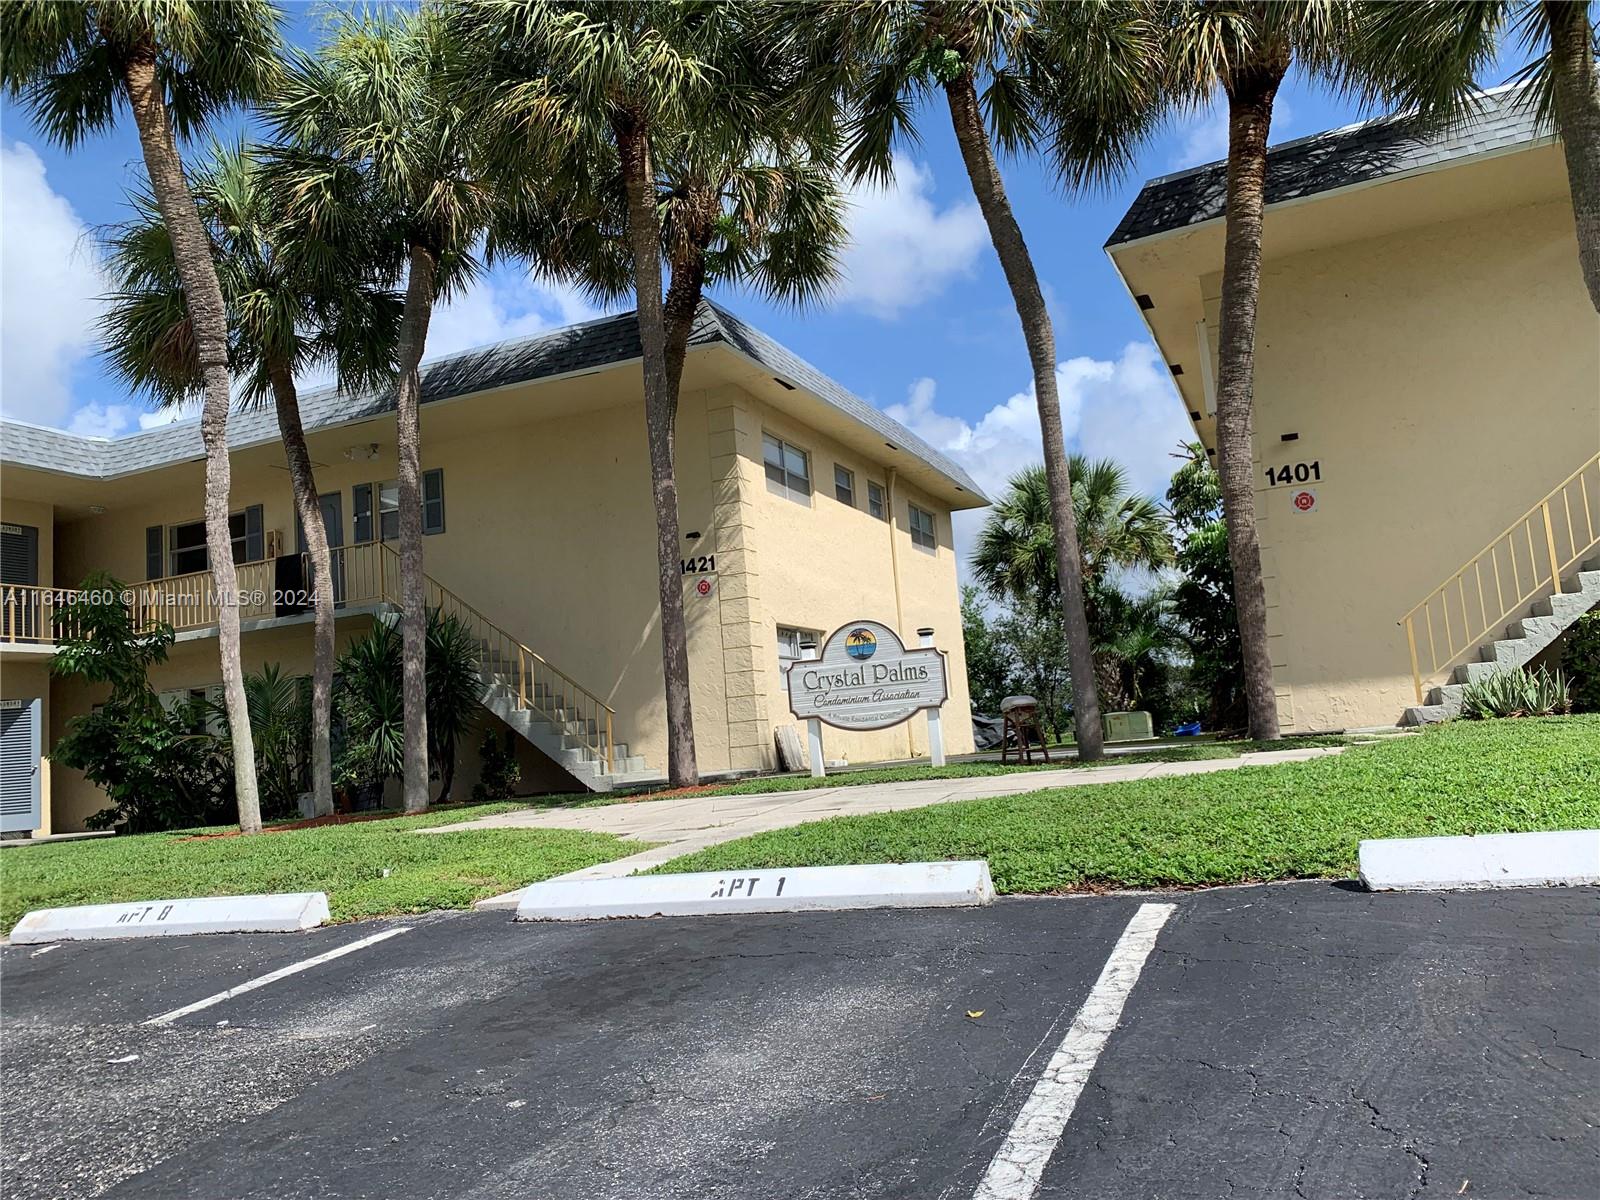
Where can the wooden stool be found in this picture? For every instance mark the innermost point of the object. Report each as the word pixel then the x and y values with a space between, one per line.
pixel 1023 720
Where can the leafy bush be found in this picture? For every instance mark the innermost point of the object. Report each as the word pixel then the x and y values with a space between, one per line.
pixel 1516 693
pixel 1581 661
pixel 500 772
pixel 280 724
pixel 371 708
pixel 160 769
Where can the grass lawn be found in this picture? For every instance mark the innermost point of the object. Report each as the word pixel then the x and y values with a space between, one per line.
pixel 909 772
pixel 447 870
pixel 1290 821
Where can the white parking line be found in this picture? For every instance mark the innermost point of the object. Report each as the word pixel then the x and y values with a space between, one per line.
pixel 167 1018
pixel 1019 1164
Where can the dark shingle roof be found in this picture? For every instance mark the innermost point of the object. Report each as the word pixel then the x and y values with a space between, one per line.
pixel 1339 158
pixel 577 348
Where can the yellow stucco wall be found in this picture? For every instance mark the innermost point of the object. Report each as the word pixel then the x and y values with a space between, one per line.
pixel 550 533
pixel 1445 377
pixel 824 564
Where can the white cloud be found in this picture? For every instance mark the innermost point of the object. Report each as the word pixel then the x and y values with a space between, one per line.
pixel 499 307
pixel 903 248
pixel 1124 408
pixel 50 286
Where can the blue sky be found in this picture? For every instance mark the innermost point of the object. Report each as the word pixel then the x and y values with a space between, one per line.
pixel 922 325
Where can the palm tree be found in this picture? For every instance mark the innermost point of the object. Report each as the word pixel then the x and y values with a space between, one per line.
pixel 621 83
pixel 1015 558
pixel 1431 54
pixel 1137 638
pixel 887 57
pixel 293 302
pixel 378 110
pixel 175 64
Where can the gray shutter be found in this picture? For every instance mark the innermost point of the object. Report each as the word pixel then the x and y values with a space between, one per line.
pixel 19 555
pixel 19 766
pixel 154 558
pixel 254 550
pixel 433 501
pixel 361 511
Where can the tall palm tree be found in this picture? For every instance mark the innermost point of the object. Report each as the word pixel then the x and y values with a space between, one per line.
pixel 1015 557
pixel 380 102
pixel 175 64
pixel 980 56
pixel 1431 55
pixel 293 302
pixel 620 82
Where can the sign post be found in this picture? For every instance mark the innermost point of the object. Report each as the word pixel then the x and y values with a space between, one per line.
pixel 865 678
pixel 819 766
pixel 935 725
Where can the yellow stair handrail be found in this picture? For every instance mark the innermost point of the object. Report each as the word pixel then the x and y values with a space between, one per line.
pixel 1554 534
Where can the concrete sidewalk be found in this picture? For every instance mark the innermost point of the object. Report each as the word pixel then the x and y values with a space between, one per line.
pixel 689 823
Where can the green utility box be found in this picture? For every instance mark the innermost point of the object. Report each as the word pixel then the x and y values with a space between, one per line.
pixel 1128 727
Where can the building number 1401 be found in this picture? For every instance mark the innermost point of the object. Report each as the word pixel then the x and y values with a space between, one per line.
pixel 1300 472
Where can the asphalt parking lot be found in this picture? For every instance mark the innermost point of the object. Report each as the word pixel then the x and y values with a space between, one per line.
pixel 1294 1040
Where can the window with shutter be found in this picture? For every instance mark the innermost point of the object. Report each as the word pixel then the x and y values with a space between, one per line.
pixel 433 501
pixel 154 551
pixel 19 555
pixel 361 510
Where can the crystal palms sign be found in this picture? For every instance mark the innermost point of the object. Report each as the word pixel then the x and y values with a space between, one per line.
pixel 866 678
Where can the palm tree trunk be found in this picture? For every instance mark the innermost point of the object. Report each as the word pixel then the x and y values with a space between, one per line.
pixel 1250 96
pixel 660 415
pixel 302 479
pixel 1015 260
pixel 1576 85
pixel 208 314
pixel 414 318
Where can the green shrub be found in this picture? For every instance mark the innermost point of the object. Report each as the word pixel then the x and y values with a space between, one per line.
pixel 1581 661
pixel 160 769
pixel 1516 693
pixel 500 772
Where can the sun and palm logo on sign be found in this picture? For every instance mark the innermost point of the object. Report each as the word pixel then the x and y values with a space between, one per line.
pixel 860 644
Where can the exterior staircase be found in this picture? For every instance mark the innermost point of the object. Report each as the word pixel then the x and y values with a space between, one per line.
pixel 1548 619
pixel 1530 584
pixel 547 708
pixel 564 730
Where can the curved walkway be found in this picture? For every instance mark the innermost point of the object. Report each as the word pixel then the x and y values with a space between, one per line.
pixel 686 824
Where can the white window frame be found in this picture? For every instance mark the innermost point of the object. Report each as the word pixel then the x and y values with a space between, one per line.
pixel 793 642
pixel 782 479
pixel 931 534
pixel 844 485
pixel 877 500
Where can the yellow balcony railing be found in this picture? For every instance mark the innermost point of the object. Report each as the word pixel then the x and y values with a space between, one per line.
pixel 1494 586
pixel 27 613
pixel 367 573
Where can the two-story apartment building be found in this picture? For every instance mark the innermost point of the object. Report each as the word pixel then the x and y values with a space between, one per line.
pixel 802 507
pixel 1427 401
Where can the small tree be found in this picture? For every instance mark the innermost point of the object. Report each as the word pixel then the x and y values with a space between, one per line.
pixel 1037 648
pixel 988 668
pixel 1202 601
pixel 455 690
pixel 159 769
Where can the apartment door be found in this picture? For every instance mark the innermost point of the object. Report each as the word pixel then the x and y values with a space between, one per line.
pixel 19 766
pixel 333 521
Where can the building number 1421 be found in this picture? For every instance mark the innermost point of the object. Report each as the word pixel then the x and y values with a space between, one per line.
pixel 1299 472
